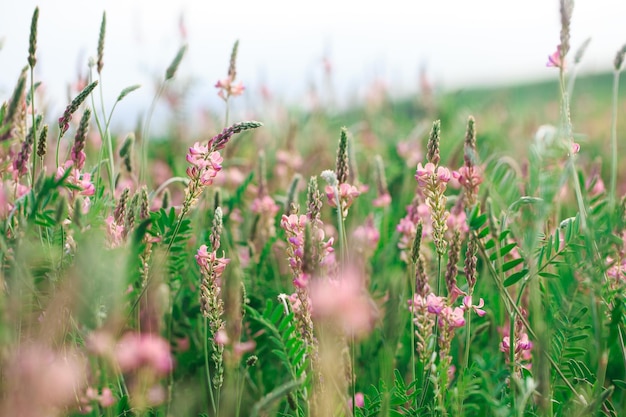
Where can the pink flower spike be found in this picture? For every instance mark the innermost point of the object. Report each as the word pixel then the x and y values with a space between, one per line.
pixel 575 148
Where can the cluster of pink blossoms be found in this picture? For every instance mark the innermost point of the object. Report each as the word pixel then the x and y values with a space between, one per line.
pixel 294 226
pixel 114 232
pixel 210 264
pixel 347 194
pixel 423 175
pixel 9 192
pixel 204 164
pixel 135 351
pixel 81 180
pixel 228 87
pixel 437 305
pixel 407 227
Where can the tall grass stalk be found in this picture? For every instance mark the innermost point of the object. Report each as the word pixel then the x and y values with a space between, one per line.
pixel 614 108
pixel 32 60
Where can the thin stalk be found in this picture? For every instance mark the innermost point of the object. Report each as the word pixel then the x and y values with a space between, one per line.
pixel 428 371
pixel 227 115
pixel 107 136
pixel 168 182
pixel 146 134
pixel 32 110
pixel 509 299
pixel 103 136
pixel 613 185
pixel 206 364
pixel 566 131
pixel 412 284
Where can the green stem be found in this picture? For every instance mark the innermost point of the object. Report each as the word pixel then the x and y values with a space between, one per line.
pixel 227 115
pixel 413 347
pixel 428 371
pixel 206 365
pixel 503 292
pixel 146 134
pixel 32 108
pixel 613 185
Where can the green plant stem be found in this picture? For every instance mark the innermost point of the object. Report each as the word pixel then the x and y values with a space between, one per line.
pixel 507 297
pixel 168 182
pixel 107 136
pixel 32 110
pixel 413 347
pixel 227 112
pixel 566 131
pixel 205 336
pixel 613 184
pixel 428 371
pixel 145 136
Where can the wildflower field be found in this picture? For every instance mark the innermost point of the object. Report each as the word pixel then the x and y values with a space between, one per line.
pixel 457 254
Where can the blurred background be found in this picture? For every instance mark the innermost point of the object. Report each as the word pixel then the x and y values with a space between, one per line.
pixel 288 49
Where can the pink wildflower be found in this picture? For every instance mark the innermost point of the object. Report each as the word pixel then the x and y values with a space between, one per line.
pixel 453 316
pixel 228 88
pixel 115 232
pixel 82 181
pixel 347 194
pixel 344 301
pixel 554 60
pixel 359 400
pixel 106 398
pixel 265 204
pixel 435 303
pixel 409 152
pixel 366 236
pixel 137 350
pixel 458 221
pixel 467 305
pixel 382 200
pixel 205 165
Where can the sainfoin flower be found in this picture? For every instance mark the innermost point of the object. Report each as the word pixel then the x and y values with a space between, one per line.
pixel 144 350
pixel 554 60
pixel 467 305
pixel 204 164
pixel 39 381
pixel 81 181
pixel 344 301
pixel 347 194
pixel 228 88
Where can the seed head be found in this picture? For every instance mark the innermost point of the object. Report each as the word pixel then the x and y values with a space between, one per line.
pixel 232 67
pixel 342 168
pixel 41 145
pixel 103 28
pixel 32 44
pixel 619 58
pixel 433 143
pixel 171 70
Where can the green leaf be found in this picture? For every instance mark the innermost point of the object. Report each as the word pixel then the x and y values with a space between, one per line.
pixel 478 222
pixel 619 384
pixel 503 251
pixel 483 233
pixel 512 264
pixel 515 277
pixel 548 275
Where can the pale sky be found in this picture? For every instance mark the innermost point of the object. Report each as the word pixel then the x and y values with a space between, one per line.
pixel 282 42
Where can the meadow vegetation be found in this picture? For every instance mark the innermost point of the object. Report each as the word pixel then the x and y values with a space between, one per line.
pixel 457 254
